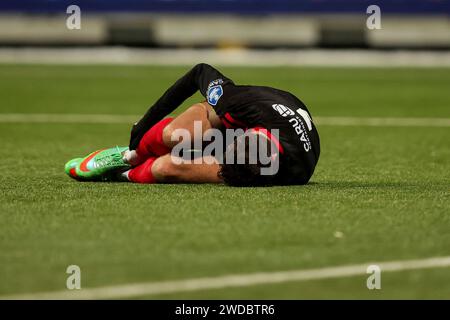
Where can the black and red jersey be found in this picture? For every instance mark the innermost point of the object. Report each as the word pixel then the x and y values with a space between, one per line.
pixel 245 106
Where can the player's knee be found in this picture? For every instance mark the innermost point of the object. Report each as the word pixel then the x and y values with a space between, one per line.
pixel 167 134
pixel 164 170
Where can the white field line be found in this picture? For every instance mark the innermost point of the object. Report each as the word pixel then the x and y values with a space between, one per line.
pixel 66 118
pixel 232 57
pixel 234 280
pixel 383 122
pixel 129 119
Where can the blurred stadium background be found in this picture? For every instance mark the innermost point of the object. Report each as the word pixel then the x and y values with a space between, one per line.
pixel 226 24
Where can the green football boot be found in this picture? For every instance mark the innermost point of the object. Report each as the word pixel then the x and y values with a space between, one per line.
pixel 69 168
pixel 102 165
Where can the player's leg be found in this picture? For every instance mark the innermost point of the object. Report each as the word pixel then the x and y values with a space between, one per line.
pixel 165 170
pixel 198 113
pixel 158 140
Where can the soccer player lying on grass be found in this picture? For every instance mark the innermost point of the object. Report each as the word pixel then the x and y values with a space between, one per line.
pixel 267 124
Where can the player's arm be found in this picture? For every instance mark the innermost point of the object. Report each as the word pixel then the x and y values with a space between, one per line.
pixel 198 78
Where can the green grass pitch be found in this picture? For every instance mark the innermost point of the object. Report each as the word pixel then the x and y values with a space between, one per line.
pixel 386 189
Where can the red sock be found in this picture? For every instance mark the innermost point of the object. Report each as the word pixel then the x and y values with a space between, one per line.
pixel 143 172
pixel 152 142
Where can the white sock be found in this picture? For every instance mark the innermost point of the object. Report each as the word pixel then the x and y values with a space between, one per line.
pixel 124 175
pixel 131 157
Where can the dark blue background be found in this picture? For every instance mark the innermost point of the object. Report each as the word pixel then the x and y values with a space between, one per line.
pixel 229 6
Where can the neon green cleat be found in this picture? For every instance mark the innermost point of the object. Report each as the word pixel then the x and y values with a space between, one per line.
pixel 102 165
pixel 69 168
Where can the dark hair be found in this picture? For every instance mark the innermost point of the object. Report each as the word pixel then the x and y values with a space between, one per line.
pixel 244 174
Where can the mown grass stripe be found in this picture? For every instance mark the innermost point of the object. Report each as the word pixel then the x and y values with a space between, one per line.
pixel 127 119
pixel 233 280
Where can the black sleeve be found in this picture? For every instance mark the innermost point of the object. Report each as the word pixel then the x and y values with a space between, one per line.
pixel 198 78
